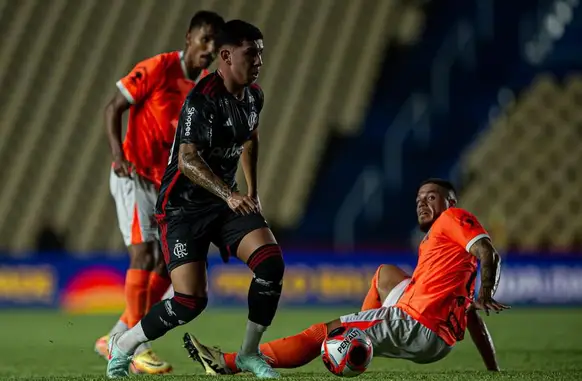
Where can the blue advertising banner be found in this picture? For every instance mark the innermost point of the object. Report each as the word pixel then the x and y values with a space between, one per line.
pixel 95 285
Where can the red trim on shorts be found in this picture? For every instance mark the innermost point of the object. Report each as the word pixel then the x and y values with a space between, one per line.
pixel 164 240
pixel 169 190
pixel 363 325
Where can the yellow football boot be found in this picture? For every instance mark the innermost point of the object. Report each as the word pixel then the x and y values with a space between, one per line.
pixel 148 363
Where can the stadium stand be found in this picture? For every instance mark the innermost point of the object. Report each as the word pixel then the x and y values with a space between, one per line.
pixel 60 63
pixel 528 163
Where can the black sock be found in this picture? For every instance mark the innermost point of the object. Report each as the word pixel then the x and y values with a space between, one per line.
pixel 170 313
pixel 265 290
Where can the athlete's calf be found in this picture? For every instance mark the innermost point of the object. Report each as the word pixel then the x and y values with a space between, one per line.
pixel 260 251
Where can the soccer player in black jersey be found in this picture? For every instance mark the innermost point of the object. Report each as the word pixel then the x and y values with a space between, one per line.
pixel 199 203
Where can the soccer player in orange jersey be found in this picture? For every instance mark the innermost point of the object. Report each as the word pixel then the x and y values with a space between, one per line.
pixel 418 318
pixel 153 92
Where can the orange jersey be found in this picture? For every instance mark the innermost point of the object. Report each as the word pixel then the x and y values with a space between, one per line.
pixel 443 283
pixel 156 89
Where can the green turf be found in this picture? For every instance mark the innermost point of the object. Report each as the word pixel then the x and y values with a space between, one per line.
pixel 531 345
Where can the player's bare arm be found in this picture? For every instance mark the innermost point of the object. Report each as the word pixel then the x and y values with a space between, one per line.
pixel 250 160
pixel 193 166
pixel 482 339
pixel 113 126
pixel 490 272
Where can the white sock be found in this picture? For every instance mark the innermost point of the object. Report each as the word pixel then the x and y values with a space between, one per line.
pixel 118 327
pixel 142 348
pixel 253 336
pixel 131 339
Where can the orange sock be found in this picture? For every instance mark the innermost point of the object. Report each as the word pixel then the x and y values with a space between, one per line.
pixel 136 295
pixel 157 287
pixel 372 300
pixel 289 352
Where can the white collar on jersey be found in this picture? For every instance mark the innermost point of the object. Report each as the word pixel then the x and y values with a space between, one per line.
pixel 185 70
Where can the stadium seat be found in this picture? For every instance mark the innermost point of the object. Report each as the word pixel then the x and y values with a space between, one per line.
pixel 322 83
pixel 59 66
pixel 523 176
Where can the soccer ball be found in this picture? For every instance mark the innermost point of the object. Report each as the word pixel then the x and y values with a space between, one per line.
pixel 347 352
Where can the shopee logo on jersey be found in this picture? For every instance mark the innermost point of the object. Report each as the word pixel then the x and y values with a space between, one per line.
pixel 188 122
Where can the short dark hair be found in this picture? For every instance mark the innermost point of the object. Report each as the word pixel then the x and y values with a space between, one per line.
pixel 235 32
pixel 445 184
pixel 202 18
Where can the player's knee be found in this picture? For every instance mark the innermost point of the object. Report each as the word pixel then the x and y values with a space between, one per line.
pixel 184 308
pixel 268 267
pixel 332 325
pixel 267 263
pixel 389 276
pixel 142 256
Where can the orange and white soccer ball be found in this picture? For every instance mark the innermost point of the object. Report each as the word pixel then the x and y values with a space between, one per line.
pixel 347 352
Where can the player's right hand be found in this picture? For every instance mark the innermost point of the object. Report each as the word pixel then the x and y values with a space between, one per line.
pixel 242 204
pixel 122 167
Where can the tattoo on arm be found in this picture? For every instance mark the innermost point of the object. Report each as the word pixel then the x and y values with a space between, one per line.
pixel 195 168
pixel 490 264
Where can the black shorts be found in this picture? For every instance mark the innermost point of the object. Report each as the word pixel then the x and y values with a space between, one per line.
pixel 187 239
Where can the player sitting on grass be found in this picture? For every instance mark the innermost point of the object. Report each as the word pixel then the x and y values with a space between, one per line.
pixel 418 318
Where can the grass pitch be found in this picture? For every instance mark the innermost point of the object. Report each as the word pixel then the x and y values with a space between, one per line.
pixel 532 344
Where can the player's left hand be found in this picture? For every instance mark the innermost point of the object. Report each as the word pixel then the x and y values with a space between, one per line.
pixel 241 204
pixel 485 302
pixel 258 202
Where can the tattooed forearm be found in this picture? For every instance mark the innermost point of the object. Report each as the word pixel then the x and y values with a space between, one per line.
pixel 249 160
pixel 195 168
pixel 490 264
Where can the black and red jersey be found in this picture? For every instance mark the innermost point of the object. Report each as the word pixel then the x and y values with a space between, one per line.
pixel 218 124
